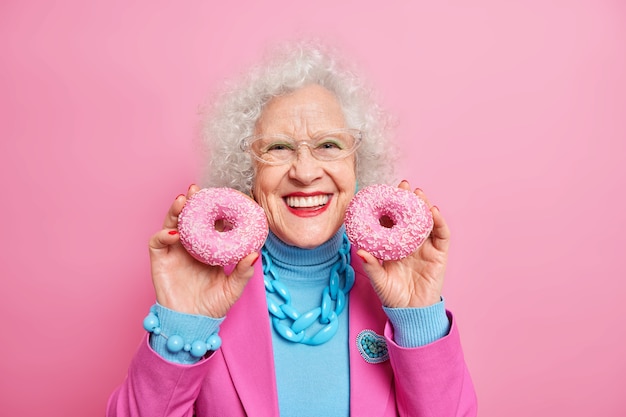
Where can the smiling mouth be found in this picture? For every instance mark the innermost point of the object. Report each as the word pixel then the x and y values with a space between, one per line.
pixel 307 202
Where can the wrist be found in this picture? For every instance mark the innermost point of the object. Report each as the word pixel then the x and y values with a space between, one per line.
pixel 421 300
pixel 193 309
pixel 180 337
pixel 424 301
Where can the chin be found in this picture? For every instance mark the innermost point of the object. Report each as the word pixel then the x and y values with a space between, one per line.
pixel 308 240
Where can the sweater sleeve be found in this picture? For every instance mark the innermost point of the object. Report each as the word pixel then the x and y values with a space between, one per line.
pixel 414 327
pixel 188 326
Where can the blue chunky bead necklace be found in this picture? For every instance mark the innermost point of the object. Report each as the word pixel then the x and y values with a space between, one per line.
pixel 333 301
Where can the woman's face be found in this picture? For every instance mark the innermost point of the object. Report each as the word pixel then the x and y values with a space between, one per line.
pixel 305 200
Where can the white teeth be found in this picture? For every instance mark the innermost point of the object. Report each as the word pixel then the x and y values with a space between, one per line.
pixel 312 201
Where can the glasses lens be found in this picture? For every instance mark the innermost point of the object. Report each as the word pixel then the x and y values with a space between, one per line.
pixel 333 146
pixel 329 146
pixel 274 149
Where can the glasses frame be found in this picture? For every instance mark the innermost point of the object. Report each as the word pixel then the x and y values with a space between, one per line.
pixel 246 144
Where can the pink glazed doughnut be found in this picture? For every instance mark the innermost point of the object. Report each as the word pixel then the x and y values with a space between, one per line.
pixel 245 232
pixel 407 218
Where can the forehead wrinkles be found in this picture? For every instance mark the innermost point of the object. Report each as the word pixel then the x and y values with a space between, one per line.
pixel 304 123
pixel 304 112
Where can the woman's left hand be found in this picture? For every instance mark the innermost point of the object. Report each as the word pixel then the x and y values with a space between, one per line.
pixel 417 280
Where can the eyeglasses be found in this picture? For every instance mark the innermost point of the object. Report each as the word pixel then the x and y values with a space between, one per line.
pixel 279 149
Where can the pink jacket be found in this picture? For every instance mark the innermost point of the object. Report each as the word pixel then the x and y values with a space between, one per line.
pixel 238 379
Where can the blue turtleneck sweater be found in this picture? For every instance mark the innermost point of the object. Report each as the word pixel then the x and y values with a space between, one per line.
pixel 311 380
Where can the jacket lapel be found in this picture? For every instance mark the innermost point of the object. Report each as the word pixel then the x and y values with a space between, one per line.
pixel 370 384
pixel 248 352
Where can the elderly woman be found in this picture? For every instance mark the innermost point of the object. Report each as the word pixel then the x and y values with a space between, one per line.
pixel 393 350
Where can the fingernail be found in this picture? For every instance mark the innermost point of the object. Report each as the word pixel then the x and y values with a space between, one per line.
pixel 173 232
pixel 189 188
pixel 436 208
pixel 256 259
pixel 179 195
pixel 362 258
pixel 419 190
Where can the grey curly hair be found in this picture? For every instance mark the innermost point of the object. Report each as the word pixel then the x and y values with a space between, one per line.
pixel 232 114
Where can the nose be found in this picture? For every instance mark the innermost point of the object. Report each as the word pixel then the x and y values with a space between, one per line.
pixel 305 168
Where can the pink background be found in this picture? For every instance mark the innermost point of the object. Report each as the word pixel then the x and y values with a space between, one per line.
pixel 512 117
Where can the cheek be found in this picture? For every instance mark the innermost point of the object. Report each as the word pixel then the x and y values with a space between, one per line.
pixel 258 182
pixel 266 181
pixel 346 178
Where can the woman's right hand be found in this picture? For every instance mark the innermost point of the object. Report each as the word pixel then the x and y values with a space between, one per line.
pixel 186 285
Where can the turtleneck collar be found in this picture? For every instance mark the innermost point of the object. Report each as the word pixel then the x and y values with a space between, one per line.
pixel 299 257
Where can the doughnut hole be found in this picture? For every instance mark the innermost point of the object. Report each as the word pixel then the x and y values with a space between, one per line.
pixel 223 225
pixel 386 221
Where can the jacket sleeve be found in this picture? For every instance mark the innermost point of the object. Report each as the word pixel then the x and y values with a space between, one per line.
pixel 156 387
pixel 432 380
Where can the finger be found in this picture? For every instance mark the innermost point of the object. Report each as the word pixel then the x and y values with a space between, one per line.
pixel 371 265
pixel 377 275
pixel 242 273
pixel 441 232
pixel 171 218
pixel 440 235
pixel 247 263
pixel 164 239
pixel 404 184
pixel 418 192
pixel 193 188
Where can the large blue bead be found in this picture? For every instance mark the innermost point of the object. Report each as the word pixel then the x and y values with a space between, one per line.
pixel 175 344
pixel 214 342
pixel 151 322
pixel 198 349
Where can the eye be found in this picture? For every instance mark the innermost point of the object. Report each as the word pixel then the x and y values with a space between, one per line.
pixel 278 147
pixel 330 144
